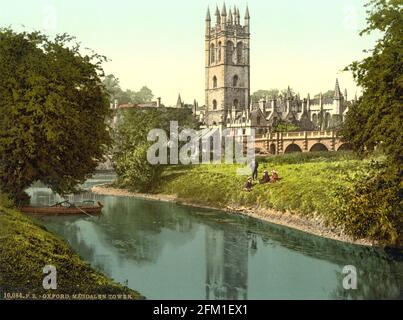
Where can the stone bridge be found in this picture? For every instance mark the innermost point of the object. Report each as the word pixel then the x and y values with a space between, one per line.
pixel 304 141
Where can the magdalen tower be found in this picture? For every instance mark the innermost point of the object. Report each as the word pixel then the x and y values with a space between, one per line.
pixel 227 65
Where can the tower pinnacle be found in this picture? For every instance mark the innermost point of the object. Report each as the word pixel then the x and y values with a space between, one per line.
pixel 337 92
pixel 208 17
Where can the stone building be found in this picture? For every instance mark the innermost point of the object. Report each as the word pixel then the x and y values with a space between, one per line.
pixel 227 86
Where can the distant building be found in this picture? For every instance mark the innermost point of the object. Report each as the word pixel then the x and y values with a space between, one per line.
pixel 227 86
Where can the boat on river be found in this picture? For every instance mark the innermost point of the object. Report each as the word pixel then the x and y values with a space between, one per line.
pixel 65 208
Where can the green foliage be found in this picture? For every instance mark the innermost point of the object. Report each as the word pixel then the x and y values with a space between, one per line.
pixel 131 145
pixel 112 85
pixel 372 206
pixel 283 126
pixel 319 185
pixel 53 112
pixel 26 247
pixel 327 94
pixel 376 120
pixel 6 201
pixel 270 94
pixel 263 94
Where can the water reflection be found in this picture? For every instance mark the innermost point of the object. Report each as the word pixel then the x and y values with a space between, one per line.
pixel 168 251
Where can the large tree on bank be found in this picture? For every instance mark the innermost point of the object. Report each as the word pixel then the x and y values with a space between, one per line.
pixel 376 120
pixel 373 207
pixel 53 111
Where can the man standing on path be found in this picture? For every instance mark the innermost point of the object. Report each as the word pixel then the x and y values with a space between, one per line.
pixel 255 169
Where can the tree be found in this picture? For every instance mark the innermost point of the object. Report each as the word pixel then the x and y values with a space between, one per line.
pixel 53 112
pixel 143 96
pixel 131 145
pixel 327 94
pixel 376 119
pixel 262 94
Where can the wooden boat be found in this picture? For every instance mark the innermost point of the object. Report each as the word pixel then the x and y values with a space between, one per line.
pixel 63 208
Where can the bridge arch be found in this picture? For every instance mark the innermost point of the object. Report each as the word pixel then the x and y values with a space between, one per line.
pixel 318 147
pixel 293 148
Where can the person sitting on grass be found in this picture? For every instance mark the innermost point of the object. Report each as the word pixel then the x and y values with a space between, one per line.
pixel 266 178
pixel 248 185
pixel 274 176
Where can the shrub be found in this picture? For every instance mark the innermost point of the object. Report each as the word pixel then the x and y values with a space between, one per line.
pixel 372 207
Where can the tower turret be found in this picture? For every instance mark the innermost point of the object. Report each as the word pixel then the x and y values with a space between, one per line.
pixel 223 17
pixel 337 98
pixel 230 18
pixel 208 21
pixel 247 19
pixel 217 16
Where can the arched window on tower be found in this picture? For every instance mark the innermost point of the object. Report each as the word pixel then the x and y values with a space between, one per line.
pixel 219 52
pixel 230 52
pixel 239 50
pixel 214 82
pixel 212 53
pixel 235 80
pixel 236 103
pixel 214 104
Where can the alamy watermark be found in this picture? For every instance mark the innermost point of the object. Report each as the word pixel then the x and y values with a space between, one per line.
pixel 204 146
pixel 50 279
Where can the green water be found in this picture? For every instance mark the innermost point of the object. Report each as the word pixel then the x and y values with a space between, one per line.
pixel 168 251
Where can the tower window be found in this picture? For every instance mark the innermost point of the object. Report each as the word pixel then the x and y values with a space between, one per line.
pixel 230 52
pixel 219 51
pixel 214 104
pixel 212 53
pixel 236 103
pixel 235 80
pixel 214 82
pixel 239 49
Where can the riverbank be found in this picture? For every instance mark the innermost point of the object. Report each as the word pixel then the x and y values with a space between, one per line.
pixel 26 247
pixel 314 226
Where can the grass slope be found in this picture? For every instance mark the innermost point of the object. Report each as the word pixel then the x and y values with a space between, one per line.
pixel 26 247
pixel 311 185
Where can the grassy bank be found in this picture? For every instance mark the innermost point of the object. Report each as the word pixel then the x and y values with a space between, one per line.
pixel 311 187
pixel 26 247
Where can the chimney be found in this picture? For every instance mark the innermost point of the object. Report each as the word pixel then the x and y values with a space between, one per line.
pixel 158 102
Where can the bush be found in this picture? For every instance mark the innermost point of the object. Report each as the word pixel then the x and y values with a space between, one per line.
pixel 372 207
pixel 135 172
pixel 6 201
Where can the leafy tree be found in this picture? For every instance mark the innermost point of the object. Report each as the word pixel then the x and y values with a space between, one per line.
pixel 143 96
pixel 131 145
pixel 376 120
pixel 327 94
pixel 115 91
pixel 53 112
pixel 284 126
pixel 262 94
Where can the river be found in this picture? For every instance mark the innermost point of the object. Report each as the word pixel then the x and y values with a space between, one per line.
pixel 169 251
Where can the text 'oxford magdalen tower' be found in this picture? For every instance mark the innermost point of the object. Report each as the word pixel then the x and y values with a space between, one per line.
pixel 227 64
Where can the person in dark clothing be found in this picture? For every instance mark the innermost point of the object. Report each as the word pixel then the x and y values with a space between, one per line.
pixel 255 170
pixel 248 185
pixel 265 178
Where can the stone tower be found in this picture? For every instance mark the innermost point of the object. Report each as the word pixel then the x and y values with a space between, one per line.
pixel 227 64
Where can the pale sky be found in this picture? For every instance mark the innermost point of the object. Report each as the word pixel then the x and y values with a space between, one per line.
pixel 160 43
